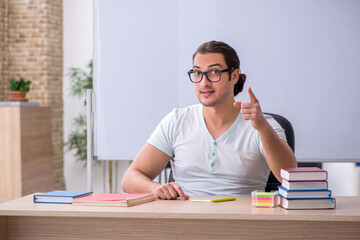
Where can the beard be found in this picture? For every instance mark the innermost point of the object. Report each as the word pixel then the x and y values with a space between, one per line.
pixel 213 100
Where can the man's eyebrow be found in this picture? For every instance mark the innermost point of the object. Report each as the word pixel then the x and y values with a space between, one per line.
pixel 211 65
pixel 215 64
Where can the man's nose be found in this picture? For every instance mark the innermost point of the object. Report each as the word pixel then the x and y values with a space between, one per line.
pixel 204 81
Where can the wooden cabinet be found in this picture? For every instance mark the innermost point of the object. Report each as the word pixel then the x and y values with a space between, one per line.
pixel 25 151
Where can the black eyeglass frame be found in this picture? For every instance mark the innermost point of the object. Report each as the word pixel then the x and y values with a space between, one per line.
pixel 205 73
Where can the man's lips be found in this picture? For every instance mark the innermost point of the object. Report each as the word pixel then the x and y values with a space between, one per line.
pixel 206 92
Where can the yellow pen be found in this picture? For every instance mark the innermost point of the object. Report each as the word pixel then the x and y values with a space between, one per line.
pixel 224 199
pixel 215 200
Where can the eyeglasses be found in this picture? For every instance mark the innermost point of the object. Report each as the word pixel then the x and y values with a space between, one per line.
pixel 212 75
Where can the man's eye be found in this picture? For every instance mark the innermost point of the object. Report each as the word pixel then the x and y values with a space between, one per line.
pixel 197 73
pixel 214 72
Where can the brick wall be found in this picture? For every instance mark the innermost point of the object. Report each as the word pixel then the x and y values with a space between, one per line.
pixel 31 44
pixel 3 49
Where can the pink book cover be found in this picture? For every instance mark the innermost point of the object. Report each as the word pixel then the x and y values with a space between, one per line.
pixel 113 197
pixel 304 169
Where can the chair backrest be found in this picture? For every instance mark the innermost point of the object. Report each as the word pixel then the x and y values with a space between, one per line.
pixel 272 182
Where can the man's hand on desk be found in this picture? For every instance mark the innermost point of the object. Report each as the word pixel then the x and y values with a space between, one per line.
pixel 170 191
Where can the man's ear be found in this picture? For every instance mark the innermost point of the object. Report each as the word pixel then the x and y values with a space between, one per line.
pixel 235 76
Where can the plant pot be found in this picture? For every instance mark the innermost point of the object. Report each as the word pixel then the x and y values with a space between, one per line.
pixel 18 96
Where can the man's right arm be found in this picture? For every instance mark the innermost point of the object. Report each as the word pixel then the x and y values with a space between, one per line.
pixel 148 164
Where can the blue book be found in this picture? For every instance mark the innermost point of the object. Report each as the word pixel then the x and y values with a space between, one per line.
pixel 304 194
pixel 59 196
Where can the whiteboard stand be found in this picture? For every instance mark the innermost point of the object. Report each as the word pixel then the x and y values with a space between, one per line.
pixel 90 146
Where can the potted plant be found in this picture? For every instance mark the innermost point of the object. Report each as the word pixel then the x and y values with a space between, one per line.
pixel 19 89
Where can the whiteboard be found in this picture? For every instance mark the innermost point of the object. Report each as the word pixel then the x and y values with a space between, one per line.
pixel 302 59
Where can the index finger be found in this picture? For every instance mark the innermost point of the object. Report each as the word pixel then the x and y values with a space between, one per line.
pixel 253 99
pixel 178 189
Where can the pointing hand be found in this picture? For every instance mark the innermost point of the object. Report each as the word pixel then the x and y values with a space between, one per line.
pixel 252 111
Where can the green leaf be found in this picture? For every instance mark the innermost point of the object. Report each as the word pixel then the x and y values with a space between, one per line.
pixel 80 80
pixel 26 86
pixel 13 84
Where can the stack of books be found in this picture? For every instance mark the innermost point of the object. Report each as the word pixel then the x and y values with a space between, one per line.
pixel 305 188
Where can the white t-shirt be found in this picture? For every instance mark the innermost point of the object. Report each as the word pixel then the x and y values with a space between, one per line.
pixel 233 164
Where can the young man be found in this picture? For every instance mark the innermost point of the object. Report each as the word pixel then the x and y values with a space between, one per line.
pixel 218 147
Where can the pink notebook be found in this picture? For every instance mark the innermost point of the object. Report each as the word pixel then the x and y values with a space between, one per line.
pixel 113 199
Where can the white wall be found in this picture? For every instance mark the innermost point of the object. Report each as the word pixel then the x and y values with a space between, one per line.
pixel 343 178
pixel 78 49
pixel 78 45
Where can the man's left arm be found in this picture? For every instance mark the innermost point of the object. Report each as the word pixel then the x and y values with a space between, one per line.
pixel 276 151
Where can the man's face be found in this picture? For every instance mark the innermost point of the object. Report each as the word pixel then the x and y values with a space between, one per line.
pixel 212 94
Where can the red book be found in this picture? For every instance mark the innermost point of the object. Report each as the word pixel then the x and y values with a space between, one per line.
pixel 113 199
pixel 304 174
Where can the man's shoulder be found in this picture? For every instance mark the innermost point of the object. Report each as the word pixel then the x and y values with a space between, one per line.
pixel 189 109
pixel 272 121
pixel 189 112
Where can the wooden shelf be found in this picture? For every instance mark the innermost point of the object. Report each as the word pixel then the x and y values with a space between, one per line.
pixel 26 151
